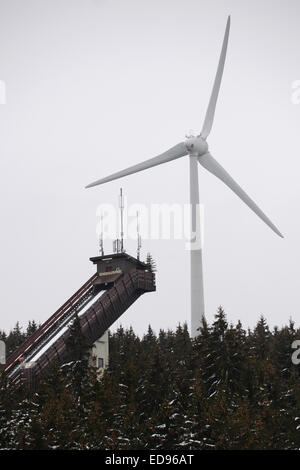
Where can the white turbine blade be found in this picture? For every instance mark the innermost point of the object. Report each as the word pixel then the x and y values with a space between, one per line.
pixel 178 151
pixel 208 162
pixel 210 113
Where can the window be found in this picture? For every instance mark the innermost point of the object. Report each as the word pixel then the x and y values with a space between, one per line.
pixel 100 363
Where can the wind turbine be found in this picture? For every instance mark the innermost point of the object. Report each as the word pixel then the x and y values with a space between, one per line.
pixel 196 148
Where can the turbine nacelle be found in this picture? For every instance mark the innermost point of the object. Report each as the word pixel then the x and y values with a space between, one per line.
pixel 196 146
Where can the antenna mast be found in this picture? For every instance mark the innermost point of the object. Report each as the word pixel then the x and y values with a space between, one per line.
pixel 118 244
pixel 139 238
pixel 121 206
pixel 101 245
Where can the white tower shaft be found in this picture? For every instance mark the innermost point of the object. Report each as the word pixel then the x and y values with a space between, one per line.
pixel 197 289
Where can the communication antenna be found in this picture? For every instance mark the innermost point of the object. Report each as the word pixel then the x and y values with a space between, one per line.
pixel 139 238
pixel 118 244
pixel 121 207
pixel 101 244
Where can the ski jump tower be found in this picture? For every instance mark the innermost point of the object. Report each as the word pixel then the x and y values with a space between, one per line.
pixel 119 281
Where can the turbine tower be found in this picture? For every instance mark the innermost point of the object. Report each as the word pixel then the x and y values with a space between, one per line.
pixel 196 148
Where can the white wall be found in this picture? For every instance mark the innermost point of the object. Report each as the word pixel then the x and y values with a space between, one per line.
pixel 100 350
pixel 2 352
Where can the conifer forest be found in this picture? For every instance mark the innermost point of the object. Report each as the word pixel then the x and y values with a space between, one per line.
pixel 228 389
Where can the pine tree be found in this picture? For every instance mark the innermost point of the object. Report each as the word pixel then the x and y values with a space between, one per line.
pixel 31 328
pixel 78 350
pixel 14 339
pixel 151 263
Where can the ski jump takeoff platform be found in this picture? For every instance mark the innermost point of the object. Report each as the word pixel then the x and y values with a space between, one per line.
pixel 119 281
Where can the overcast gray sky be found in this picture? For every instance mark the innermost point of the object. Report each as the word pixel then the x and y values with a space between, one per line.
pixel 93 86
